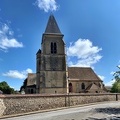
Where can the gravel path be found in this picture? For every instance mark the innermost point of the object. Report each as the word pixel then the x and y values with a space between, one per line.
pixel 101 111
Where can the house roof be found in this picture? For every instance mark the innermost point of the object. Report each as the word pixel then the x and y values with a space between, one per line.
pixel 82 73
pixel 93 86
pixel 39 51
pixel 52 26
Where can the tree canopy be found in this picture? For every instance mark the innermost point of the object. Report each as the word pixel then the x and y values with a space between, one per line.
pixel 116 85
pixel 5 88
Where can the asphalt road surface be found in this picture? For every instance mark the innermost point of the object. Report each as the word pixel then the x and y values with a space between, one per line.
pixel 100 111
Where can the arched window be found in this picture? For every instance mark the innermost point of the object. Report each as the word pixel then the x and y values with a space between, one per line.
pixel 53 48
pixel 70 87
pixel 83 86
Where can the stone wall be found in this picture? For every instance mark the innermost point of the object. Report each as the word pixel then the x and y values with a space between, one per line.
pixel 2 107
pixel 18 104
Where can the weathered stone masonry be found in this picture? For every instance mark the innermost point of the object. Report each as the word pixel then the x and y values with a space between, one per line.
pixel 2 107
pixel 17 104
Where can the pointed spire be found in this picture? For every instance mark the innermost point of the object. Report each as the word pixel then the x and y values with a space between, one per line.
pixel 52 26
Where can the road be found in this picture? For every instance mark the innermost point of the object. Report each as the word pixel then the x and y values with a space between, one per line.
pixel 100 111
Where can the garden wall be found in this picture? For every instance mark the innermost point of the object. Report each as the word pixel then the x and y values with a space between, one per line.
pixel 18 104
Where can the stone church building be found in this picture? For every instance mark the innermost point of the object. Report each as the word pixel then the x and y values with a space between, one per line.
pixel 52 74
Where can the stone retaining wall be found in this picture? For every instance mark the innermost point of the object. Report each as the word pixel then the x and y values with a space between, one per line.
pixel 17 104
pixel 2 107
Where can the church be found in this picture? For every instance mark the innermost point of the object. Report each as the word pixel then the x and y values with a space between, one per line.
pixel 52 73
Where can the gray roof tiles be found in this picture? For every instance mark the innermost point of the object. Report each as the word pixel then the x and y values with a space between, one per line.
pixel 52 26
pixel 82 73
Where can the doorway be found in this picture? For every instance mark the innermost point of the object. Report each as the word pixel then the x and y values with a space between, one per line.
pixel 70 87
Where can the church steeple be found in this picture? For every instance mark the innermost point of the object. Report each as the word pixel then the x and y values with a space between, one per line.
pixel 52 26
pixel 51 60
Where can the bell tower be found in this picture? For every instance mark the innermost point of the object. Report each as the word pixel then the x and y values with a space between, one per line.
pixel 51 60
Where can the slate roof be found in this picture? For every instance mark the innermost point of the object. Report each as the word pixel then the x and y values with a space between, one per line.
pixel 52 26
pixel 39 51
pixel 82 73
pixel 93 86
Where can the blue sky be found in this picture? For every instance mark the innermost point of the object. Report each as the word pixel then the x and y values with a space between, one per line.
pixel 91 31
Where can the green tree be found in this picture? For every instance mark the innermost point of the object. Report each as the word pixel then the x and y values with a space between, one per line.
pixel 5 88
pixel 116 85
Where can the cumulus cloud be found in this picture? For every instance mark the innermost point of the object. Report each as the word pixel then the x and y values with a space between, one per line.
pixel 101 77
pixel 112 73
pixel 18 74
pixel 118 66
pixel 47 5
pixel 82 53
pixel 110 83
pixel 113 80
pixel 6 38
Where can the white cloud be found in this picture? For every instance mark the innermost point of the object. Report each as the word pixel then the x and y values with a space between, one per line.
pixel 101 77
pixel 47 5
pixel 112 73
pixel 82 53
pixel 18 74
pixel 6 38
pixel 118 66
pixel 110 83
pixel 8 43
